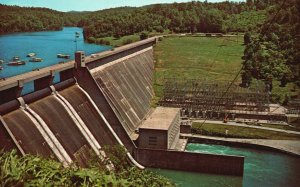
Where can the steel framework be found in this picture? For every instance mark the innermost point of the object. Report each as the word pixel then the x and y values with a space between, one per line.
pixel 203 95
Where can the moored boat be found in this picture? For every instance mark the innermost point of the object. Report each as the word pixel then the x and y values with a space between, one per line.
pixel 94 55
pixel 16 63
pixel 31 54
pixel 1 61
pixel 63 56
pixel 1 68
pixel 35 59
pixel 15 58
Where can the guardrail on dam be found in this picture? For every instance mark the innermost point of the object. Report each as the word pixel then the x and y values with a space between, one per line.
pixel 99 101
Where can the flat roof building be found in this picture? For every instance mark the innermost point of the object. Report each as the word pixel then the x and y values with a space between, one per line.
pixel 161 129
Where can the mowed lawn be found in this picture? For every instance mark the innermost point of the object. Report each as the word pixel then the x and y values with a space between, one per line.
pixel 197 58
pixel 240 132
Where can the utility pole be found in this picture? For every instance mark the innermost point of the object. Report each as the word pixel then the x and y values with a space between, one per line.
pixel 77 34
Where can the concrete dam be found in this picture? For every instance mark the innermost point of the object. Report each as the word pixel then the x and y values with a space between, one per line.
pixel 99 101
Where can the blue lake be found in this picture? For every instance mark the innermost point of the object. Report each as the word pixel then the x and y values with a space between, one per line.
pixel 46 45
pixel 261 168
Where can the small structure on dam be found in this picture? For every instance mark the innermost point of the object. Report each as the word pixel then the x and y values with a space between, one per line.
pixel 160 130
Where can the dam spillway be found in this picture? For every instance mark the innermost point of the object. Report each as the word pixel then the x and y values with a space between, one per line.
pixel 61 123
pixel 69 122
pixel 100 101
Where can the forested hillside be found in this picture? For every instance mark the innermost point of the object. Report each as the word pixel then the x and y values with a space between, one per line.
pixel 177 17
pixel 273 53
pixel 17 19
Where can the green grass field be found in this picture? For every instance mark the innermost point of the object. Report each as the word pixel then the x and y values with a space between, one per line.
pixel 196 58
pixel 240 132
pixel 208 58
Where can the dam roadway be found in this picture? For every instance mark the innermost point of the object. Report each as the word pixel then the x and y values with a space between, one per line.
pixel 19 80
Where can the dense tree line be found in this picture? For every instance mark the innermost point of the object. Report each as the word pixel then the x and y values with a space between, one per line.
pixel 17 19
pixel 177 17
pixel 273 53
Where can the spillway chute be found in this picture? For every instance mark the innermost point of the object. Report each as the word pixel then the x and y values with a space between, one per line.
pixel 133 161
pixel 49 137
pixel 82 127
pixel 12 136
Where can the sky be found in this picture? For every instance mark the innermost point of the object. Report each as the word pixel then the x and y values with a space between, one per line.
pixel 89 5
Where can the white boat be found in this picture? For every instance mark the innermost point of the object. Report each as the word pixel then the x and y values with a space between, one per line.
pixel 31 54
pixel 16 63
pixel 15 58
pixel 63 56
pixel 35 59
pixel 1 68
pixel 94 55
pixel 1 61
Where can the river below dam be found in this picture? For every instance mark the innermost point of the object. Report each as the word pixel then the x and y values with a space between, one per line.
pixel 261 168
pixel 46 45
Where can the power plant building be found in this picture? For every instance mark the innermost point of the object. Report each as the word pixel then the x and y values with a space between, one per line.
pixel 161 129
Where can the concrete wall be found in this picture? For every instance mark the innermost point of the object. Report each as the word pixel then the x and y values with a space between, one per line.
pixel 61 123
pixel 11 88
pixel 89 115
pixel 173 131
pixel 196 162
pixel 127 84
pixel 87 82
pixel 153 139
pixel 6 142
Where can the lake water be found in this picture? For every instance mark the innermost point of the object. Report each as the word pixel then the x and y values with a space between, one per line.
pixel 261 168
pixel 46 45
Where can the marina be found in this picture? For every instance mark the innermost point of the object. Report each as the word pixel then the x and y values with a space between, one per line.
pixel 58 42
